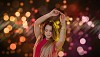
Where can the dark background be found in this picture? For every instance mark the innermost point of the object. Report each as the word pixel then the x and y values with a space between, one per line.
pixel 25 49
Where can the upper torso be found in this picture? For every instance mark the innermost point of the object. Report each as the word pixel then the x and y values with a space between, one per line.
pixel 40 44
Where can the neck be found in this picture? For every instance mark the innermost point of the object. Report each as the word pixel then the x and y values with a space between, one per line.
pixel 47 39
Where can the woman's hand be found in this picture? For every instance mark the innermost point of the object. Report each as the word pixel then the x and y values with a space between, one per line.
pixel 62 18
pixel 54 12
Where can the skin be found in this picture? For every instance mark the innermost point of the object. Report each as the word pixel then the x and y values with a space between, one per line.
pixel 48 32
pixel 48 29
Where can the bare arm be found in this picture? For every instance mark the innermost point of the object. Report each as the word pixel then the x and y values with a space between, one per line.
pixel 62 36
pixel 37 29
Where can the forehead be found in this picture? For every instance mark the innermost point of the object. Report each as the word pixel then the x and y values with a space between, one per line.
pixel 48 27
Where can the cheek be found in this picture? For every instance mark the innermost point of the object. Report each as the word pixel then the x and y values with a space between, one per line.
pixel 51 33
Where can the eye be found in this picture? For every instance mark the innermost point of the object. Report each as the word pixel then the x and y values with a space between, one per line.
pixel 50 30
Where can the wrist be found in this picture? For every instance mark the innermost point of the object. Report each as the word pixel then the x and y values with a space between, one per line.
pixel 49 14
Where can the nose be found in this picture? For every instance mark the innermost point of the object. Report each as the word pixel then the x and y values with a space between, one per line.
pixel 48 32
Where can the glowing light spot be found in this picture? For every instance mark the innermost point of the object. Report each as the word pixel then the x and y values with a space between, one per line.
pixel 31 1
pixel 99 36
pixel 87 8
pixel 35 11
pixel 10 27
pixel 6 17
pixel 21 4
pixel 70 19
pixel 22 39
pixel 13 46
pixel 69 39
pixel 27 14
pixel 64 1
pixel 92 25
pixel 85 52
pixel 82 41
pixel 71 44
pixel 26 54
pixel 6 30
pixel 47 1
pixel 33 20
pixel 23 18
pixel 25 24
pixel 19 30
pixel 61 54
pixel 68 23
pixel 89 48
pixel 85 19
pixel 8 4
pixel 57 22
pixel 64 6
pixel 17 14
pixel 89 23
pixel 12 18
pixel 69 48
pixel 20 10
pixel 80 50
pixel 65 54
pixel 80 23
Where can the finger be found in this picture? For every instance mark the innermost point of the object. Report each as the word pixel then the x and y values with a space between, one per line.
pixel 56 12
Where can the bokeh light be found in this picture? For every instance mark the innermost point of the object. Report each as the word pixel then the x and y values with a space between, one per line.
pixel 23 18
pixel 64 1
pixel 6 30
pixel 89 23
pixel 17 14
pixel 27 14
pixel 99 35
pixel 22 39
pixel 60 53
pixel 13 46
pixel 82 40
pixel 47 1
pixel 12 18
pixel 8 4
pixel 6 17
pixel 35 11
pixel 85 19
pixel 80 50
pixel 21 4
pixel 17 37
pixel 31 1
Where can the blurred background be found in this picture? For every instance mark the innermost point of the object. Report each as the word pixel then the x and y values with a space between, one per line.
pixel 17 19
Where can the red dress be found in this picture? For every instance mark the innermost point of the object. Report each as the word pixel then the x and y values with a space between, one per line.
pixel 39 46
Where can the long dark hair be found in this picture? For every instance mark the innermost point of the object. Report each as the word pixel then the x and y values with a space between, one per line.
pixel 49 22
pixel 47 49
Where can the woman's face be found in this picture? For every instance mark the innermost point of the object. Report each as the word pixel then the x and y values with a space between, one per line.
pixel 48 32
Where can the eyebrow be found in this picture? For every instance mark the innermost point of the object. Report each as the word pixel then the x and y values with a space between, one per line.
pixel 50 30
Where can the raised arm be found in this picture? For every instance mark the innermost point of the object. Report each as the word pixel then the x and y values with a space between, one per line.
pixel 37 29
pixel 62 36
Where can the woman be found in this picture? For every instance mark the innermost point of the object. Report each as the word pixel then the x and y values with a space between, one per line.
pixel 45 45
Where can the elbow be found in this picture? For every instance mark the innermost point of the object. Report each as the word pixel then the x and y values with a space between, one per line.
pixel 36 23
